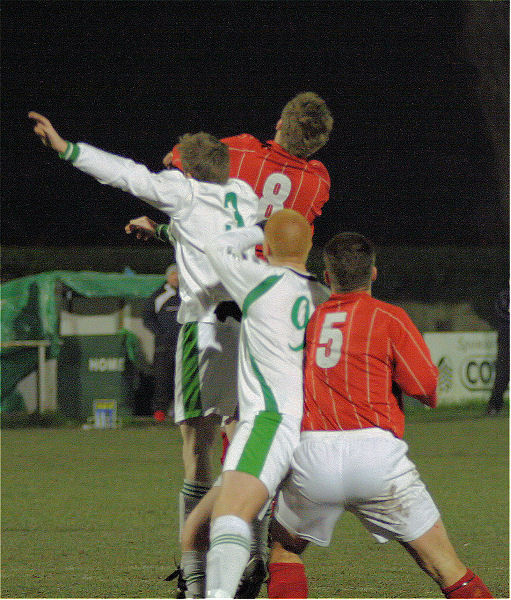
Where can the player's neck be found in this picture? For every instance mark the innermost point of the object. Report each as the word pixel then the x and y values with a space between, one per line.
pixel 361 290
pixel 295 265
pixel 277 138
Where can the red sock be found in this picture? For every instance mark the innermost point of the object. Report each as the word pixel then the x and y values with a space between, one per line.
pixel 287 580
pixel 225 446
pixel 469 586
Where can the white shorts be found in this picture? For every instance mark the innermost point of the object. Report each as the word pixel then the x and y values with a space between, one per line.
pixel 364 471
pixel 263 447
pixel 206 365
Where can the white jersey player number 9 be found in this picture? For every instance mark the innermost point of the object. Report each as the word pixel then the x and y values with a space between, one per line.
pixel 329 348
pixel 276 190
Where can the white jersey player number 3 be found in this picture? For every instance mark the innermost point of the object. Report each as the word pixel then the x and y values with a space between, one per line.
pixel 276 190
pixel 329 348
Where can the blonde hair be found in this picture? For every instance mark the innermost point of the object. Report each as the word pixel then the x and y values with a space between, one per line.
pixel 288 235
pixel 205 157
pixel 306 124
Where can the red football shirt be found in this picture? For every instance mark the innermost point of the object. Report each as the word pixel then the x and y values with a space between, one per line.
pixel 280 179
pixel 361 353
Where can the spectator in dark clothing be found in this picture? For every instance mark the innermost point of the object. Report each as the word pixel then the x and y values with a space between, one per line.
pixel 496 402
pixel 160 317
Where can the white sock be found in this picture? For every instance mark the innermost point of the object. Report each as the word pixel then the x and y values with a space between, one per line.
pixel 189 496
pixel 193 564
pixel 228 555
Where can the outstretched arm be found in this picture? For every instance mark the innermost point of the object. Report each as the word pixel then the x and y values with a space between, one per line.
pixel 165 191
pixel 45 130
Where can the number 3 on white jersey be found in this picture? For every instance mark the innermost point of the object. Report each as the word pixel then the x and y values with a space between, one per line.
pixel 276 190
pixel 328 352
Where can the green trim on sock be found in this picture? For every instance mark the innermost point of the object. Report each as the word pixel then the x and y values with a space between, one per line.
pixel 228 538
pixel 192 490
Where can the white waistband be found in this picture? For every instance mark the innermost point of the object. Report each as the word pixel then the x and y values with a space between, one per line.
pixel 366 432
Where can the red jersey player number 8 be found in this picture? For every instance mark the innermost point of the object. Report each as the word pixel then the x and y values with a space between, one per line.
pixel 276 190
pixel 328 352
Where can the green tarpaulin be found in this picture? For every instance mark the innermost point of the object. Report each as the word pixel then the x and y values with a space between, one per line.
pixel 30 311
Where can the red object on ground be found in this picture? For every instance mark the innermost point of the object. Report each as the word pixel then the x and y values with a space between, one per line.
pixel 159 416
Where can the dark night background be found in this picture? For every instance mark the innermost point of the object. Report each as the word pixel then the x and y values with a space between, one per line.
pixel 418 91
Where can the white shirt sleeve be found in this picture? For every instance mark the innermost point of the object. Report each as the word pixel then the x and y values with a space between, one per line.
pixel 238 272
pixel 166 191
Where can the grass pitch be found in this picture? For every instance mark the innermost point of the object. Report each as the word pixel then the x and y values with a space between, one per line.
pixel 92 514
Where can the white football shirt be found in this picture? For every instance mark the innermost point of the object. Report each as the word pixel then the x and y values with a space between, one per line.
pixel 276 303
pixel 199 212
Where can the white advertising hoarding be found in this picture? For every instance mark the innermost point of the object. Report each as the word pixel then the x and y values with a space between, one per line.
pixel 466 364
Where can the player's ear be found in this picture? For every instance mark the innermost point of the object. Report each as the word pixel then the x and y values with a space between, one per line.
pixel 278 126
pixel 167 160
pixel 374 274
pixel 326 277
pixel 266 249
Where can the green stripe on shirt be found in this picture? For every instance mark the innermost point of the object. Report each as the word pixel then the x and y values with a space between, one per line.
pixel 269 399
pixel 259 290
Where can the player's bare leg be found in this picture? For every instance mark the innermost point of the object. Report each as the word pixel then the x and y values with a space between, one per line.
pixel 229 425
pixel 241 497
pixel 256 571
pixel 287 572
pixel 198 435
pixel 195 524
pixel 436 556
pixel 195 543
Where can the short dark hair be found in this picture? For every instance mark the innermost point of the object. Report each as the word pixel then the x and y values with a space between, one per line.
pixel 205 157
pixel 306 124
pixel 349 258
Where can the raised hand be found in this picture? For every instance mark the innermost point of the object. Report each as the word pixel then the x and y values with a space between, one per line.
pixel 143 228
pixel 45 130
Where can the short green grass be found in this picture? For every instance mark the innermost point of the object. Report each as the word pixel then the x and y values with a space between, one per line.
pixel 92 514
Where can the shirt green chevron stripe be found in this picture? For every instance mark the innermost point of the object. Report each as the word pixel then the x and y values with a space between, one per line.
pixel 259 290
pixel 269 399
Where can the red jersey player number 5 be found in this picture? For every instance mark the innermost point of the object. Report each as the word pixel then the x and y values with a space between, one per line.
pixel 328 352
